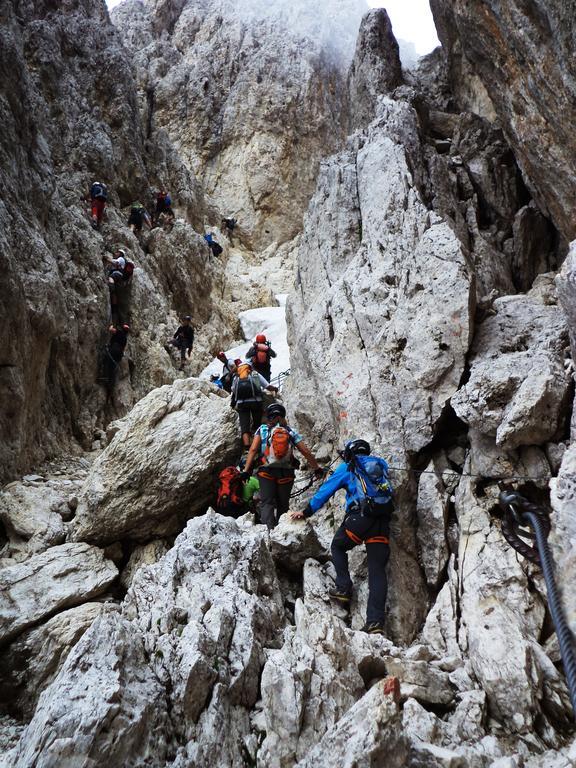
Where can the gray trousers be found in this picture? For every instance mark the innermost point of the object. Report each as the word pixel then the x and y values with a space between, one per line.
pixel 275 488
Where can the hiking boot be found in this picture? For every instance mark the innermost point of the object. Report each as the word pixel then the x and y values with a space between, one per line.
pixel 341 596
pixel 373 628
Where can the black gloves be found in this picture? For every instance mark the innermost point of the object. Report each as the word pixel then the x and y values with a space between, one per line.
pixel 319 473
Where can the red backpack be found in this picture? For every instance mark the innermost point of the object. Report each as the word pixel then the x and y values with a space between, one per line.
pixel 262 353
pixel 229 501
pixel 128 270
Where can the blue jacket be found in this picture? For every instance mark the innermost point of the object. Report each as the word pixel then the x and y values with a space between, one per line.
pixel 343 477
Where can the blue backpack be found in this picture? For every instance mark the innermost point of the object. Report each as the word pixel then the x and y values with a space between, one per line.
pixel 373 485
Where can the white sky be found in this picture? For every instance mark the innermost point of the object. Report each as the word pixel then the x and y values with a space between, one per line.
pixel 411 21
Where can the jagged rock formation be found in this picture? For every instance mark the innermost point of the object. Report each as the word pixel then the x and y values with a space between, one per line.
pixel 398 362
pixel 515 60
pixel 70 115
pixel 252 95
pixel 375 69
pixel 177 669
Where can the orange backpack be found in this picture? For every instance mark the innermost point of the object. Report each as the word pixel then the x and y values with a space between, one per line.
pixel 279 451
pixel 243 371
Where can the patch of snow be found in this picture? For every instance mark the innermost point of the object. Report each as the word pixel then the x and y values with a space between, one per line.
pixel 271 321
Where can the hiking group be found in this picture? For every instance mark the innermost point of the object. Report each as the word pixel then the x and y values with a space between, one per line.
pixel 263 481
pixel 119 270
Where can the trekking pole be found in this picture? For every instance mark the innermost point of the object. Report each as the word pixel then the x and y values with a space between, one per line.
pixel 519 513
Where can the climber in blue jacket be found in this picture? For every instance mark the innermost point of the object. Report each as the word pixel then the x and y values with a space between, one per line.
pixel 368 509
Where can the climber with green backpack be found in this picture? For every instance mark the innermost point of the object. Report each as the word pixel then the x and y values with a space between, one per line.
pixel 138 216
pixel 369 507
pixel 273 449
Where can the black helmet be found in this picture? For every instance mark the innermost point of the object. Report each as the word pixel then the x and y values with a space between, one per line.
pixel 355 448
pixel 276 409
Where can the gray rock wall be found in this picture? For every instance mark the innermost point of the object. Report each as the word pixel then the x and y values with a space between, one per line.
pixel 514 60
pixel 252 94
pixel 69 112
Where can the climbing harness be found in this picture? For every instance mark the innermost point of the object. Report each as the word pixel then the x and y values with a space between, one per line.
pixel 519 515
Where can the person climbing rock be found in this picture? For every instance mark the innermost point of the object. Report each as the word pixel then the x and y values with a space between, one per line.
pixel 229 369
pixel 229 224
pixel 273 449
pixel 369 507
pixel 247 397
pixel 163 212
pixel 138 217
pixel 118 338
pixel 98 198
pixel 119 271
pixel 215 247
pixel 259 355
pixel 183 340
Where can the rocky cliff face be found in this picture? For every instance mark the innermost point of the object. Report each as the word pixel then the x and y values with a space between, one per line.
pixel 252 94
pixel 514 61
pixel 70 116
pixel 427 317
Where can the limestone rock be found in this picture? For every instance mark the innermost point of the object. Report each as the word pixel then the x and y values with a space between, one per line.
pixel 370 733
pixel 440 630
pixel 421 681
pixel 517 391
pixel 520 56
pixel 563 535
pixel 30 515
pixel 432 509
pixel 178 671
pixel 230 84
pixel 292 543
pixel 67 121
pixel 501 618
pixel 161 466
pixel 403 314
pixel 375 68
pixel 146 554
pixel 384 300
pixel 307 686
pixel 566 286
pixel 31 662
pixel 105 678
pixel 63 576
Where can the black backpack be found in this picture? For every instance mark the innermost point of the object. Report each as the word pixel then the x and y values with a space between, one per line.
pixel 248 388
pixel 99 191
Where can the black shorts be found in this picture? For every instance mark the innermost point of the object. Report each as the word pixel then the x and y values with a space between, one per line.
pixel 250 415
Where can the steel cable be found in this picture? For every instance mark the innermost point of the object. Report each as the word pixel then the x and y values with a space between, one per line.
pixel 533 514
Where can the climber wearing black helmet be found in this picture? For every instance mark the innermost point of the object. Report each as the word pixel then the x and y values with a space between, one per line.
pixel 368 510
pixel 273 448
pixel 183 339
